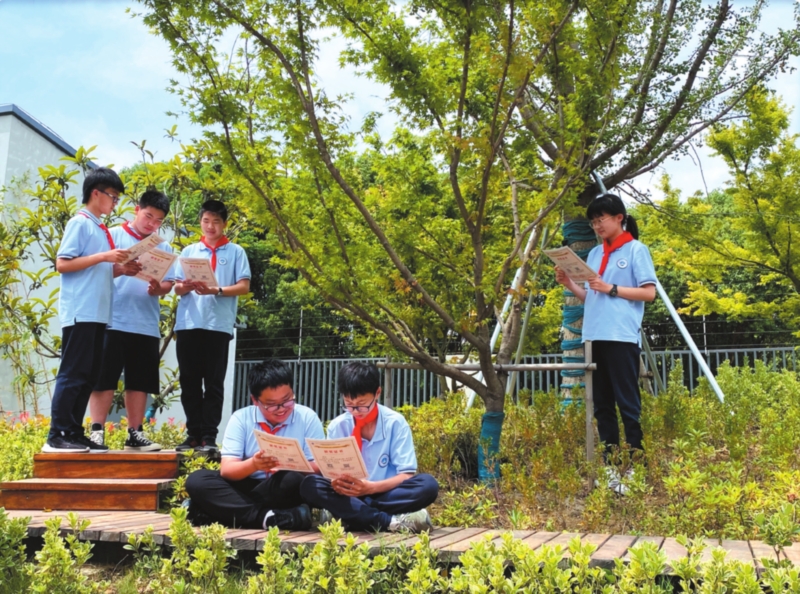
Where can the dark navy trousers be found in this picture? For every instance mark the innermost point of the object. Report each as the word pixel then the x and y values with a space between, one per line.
pixel 203 361
pixel 373 512
pixel 81 358
pixel 616 386
pixel 244 503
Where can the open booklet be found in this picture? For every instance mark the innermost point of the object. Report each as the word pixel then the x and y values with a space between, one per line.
pixel 198 270
pixel 571 264
pixel 145 245
pixel 155 265
pixel 287 450
pixel 338 457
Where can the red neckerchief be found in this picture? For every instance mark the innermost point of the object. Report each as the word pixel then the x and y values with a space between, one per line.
pixel 223 240
pixel 131 231
pixel 608 248
pixel 266 428
pixel 104 228
pixel 360 423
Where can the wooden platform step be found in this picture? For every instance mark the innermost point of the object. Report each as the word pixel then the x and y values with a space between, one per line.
pixel 84 494
pixel 116 464
pixel 450 543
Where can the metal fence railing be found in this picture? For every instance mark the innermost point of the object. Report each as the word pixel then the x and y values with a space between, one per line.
pixel 315 379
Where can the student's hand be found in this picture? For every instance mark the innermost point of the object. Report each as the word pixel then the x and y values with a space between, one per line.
pixel 202 288
pixel 561 277
pixel 263 462
pixel 132 268
pixel 154 288
pixel 598 285
pixel 115 256
pixel 351 487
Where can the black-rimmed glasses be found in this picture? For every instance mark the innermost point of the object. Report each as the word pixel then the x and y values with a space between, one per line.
pixel 116 199
pixel 289 404
pixel 358 409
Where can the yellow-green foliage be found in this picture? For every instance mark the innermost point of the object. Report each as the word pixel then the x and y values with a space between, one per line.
pixel 20 438
pixel 711 468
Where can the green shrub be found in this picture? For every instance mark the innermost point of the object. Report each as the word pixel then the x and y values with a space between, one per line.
pixel 13 566
pixel 59 563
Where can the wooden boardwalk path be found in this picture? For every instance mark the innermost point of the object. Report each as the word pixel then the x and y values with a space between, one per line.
pixel 114 527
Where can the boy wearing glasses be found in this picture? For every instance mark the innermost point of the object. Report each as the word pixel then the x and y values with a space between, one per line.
pixel 394 497
pixel 248 491
pixel 87 260
pixel 132 339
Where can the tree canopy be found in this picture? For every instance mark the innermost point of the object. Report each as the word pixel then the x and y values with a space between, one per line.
pixel 500 110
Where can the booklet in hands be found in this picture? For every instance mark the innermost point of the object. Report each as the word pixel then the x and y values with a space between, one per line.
pixel 155 265
pixel 287 450
pixel 145 245
pixel 571 264
pixel 338 457
pixel 198 270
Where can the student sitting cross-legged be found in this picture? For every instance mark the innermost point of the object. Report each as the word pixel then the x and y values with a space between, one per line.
pixel 246 492
pixel 394 497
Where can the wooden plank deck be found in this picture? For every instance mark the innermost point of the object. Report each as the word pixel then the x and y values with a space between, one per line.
pixel 449 542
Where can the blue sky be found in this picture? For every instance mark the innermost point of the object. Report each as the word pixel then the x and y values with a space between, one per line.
pixel 96 76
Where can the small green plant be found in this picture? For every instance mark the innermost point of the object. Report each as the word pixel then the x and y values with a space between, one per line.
pixel 475 506
pixel 13 564
pixel 59 563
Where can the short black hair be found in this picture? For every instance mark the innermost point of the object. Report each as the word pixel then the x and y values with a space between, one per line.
pixel 216 207
pixel 357 378
pixel 271 373
pixel 101 179
pixel 154 199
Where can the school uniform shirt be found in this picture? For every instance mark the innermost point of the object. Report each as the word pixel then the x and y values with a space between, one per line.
pixel 240 441
pixel 209 312
pixel 133 309
pixel 85 295
pixel 615 318
pixel 391 449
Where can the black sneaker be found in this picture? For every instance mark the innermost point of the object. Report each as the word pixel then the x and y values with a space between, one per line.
pixel 94 448
pixel 294 518
pixel 190 443
pixel 139 443
pixel 194 515
pixel 63 444
pixel 208 445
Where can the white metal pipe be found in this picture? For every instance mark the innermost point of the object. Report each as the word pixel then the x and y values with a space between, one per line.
pixel 689 341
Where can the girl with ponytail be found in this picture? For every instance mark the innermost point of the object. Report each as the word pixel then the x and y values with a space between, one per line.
pixel 614 308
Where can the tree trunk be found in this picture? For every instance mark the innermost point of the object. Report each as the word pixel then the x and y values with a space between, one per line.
pixel 489 445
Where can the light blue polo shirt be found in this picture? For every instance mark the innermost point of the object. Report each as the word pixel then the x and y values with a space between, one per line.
pixel 133 309
pixel 240 441
pixel 391 450
pixel 209 312
pixel 615 318
pixel 85 295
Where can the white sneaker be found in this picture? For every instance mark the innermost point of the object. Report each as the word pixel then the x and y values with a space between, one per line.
pixel 98 436
pixel 615 480
pixel 413 522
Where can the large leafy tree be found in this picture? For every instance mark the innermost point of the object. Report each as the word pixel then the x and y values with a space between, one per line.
pixel 737 250
pixel 501 109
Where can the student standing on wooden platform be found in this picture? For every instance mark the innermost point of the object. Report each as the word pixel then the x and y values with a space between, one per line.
pixel 88 260
pixel 132 339
pixel 246 492
pixel 612 320
pixel 204 327
pixel 394 497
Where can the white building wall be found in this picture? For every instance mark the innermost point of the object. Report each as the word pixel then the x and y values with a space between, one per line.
pixel 22 151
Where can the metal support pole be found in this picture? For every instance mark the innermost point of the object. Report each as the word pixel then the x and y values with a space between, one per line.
pixel 689 341
pixel 589 403
pixel 387 383
pixel 649 354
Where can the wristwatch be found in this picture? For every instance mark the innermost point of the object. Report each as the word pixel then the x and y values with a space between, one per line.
pixel 219 291
pixel 613 291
